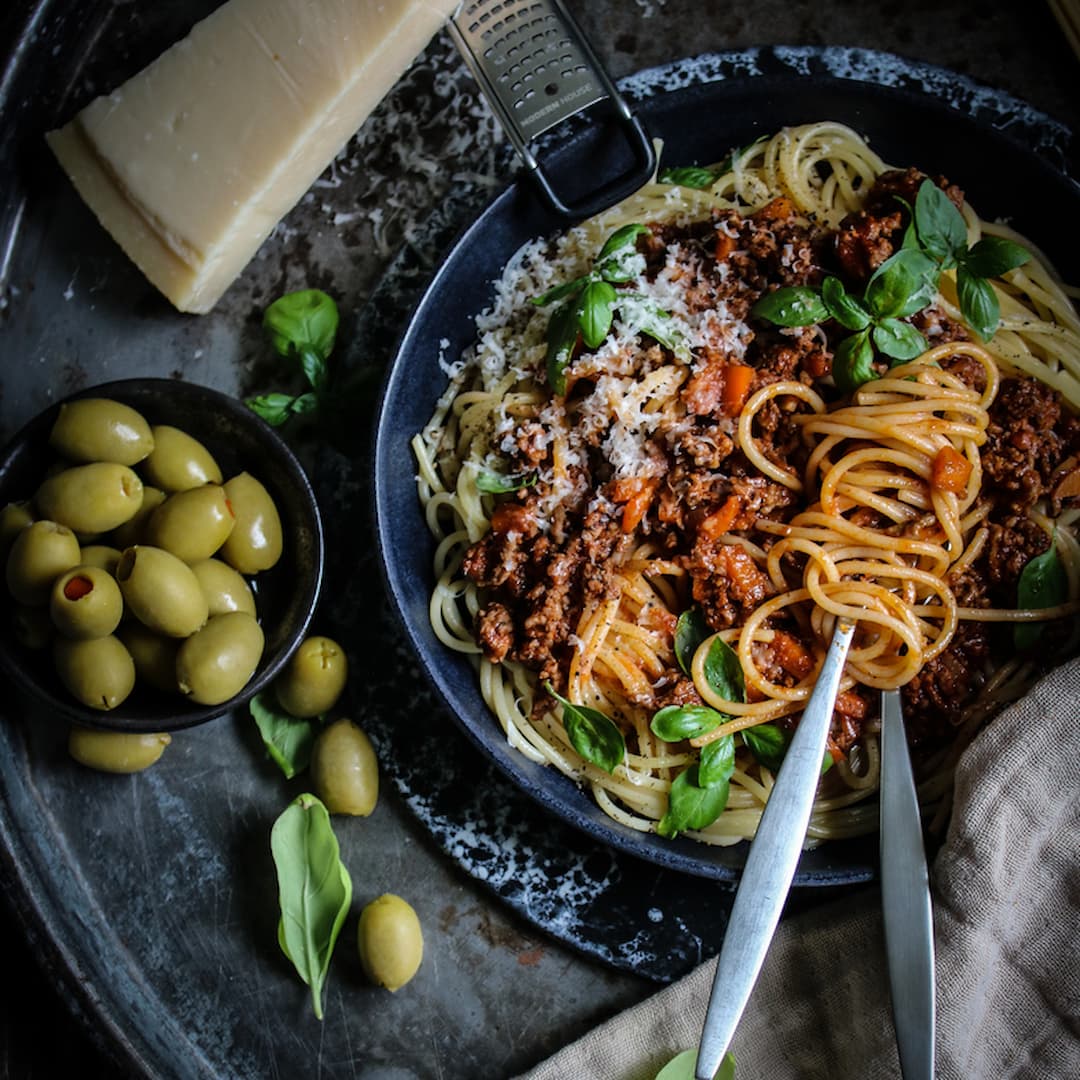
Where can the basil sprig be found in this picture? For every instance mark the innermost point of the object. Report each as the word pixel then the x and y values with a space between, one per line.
pixel 682 1066
pixel 942 235
pixel 690 631
pixel 677 722
pixel 497 484
pixel 769 743
pixel 700 792
pixel 314 890
pixel 1043 583
pixel 592 734
pixel 906 283
pixel 589 302
pixel 301 327
pixel 288 739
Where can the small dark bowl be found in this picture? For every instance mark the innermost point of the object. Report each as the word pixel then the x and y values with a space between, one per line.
pixel 285 595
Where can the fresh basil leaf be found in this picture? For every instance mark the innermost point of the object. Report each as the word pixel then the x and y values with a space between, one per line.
pixel 314 890
pixel 683 1066
pixel 844 308
pixel 620 238
pixel 1043 583
pixel 723 672
pixel 288 739
pixel 592 734
pixel 792 305
pixel 978 303
pixel 275 409
pixel 768 743
pixel 562 335
pixel 692 176
pixel 690 631
pixel 567 288
pixel 314 368
pixel 717 762
pixel 690 805
pixel 941 228
pixel 677 722
pixel 853 362
pixel 594 312
pixel 903 284
pixel 497 484
pixel 302 321
pixel 911 234
pixel 897 339
pixel 993 256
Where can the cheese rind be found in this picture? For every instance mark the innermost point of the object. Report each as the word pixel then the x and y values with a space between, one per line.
pixel 191 163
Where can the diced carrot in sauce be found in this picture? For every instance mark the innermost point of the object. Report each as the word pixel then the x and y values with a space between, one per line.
pixel 720 521
pixel 737 380
pixel 780 209
pixel 791 654
pixel 637 493
pixel 950 471
pixel 510 518
pixel 851 704
pixel 725 245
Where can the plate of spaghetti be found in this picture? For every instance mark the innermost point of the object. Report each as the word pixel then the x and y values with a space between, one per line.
pixel 629 473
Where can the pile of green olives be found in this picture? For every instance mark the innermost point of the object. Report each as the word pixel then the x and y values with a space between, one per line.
pixel 132 560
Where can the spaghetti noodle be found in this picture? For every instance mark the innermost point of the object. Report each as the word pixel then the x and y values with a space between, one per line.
pixel 652 528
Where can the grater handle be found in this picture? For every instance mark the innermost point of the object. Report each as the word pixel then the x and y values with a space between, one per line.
pixel 615 189
pixel 476 27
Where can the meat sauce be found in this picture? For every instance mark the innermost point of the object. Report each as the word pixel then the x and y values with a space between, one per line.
pixel 538 581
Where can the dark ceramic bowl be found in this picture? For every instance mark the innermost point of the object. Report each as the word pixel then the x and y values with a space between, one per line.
pixel 285 595
pixel 904 127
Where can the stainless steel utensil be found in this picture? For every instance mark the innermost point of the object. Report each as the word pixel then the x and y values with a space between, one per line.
pixel 905 899
pixel 536 70
pixel 771 863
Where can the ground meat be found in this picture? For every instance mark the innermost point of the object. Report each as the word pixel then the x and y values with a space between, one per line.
pixel 495 631
pixel 760 498
pixel 675 690
pixel 1010 546
pixel 934 699
pixel 726 582
pixel 1023 446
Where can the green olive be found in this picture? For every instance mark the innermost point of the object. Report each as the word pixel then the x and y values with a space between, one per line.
pixel 255 543
pixel 179 462
pixel 100 555
pixel 86 603
pixel 192 524
pixel 133 531
pixel 390 941
pixel 41 552
pixel 224 588
pixel 13 519
pixel 98 429
pixel 99 672
pixel 161 591
pixel 217 662
pixel 91 499
pixel 154 655
pixel 313 679
pixel 344 769
pixel 116 751
pixel 32 626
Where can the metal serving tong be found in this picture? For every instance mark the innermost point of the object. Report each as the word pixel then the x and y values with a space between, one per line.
pixel 905 899
pixel 770 865
pixel 536 70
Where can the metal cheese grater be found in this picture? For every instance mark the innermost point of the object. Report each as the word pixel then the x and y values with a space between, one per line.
pixel 536 70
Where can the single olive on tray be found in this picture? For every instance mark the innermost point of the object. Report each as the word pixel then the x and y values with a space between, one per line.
pixel 345 769
pixel 313 679
pixel 390 941
pixel 116 751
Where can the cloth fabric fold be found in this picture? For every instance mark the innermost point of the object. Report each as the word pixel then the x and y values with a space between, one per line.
pixel 1006 889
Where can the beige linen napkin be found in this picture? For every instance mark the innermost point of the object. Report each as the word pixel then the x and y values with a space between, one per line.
pixel 1006 889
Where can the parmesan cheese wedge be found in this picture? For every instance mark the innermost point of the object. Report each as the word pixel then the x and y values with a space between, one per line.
pixel 191 163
